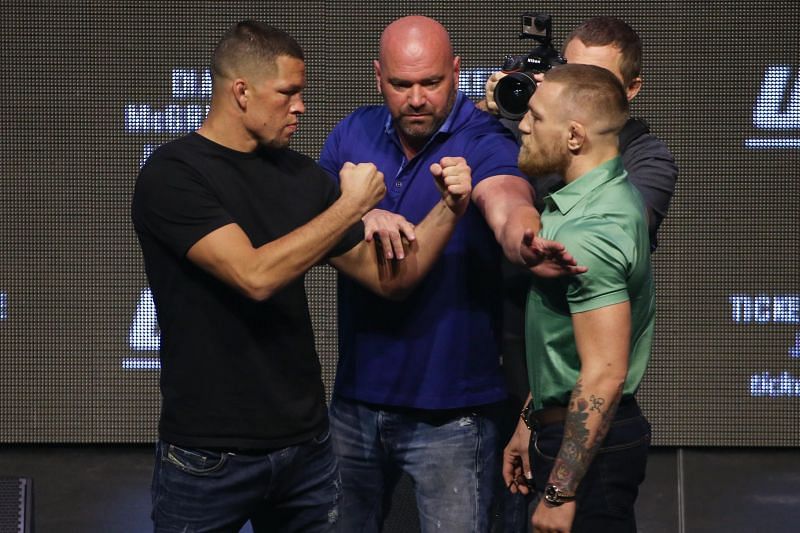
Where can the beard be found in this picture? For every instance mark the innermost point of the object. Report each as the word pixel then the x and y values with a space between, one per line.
pixel 552 159
pixel 418 130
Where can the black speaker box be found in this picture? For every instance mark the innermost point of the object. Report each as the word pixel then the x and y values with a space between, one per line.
pixel 16 504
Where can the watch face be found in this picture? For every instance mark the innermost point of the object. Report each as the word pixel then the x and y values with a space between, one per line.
pixel 554 496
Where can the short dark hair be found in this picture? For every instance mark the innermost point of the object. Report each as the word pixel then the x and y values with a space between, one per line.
pixel 605 31
pixel 251 44
pixel 593 90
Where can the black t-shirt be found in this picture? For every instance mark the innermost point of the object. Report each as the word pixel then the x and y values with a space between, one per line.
pixel 235 373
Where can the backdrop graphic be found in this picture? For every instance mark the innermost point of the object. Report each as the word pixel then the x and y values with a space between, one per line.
pixel 90 89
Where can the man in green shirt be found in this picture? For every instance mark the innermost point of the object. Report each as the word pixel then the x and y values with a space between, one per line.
pixel 588 336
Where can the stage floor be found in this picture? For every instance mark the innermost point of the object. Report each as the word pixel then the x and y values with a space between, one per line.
pixel 105 488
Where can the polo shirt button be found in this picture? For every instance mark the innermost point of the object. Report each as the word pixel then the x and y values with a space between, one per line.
pixel 398 184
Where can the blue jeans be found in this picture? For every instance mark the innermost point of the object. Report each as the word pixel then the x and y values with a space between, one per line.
pixel 607 493
pixel 291 489
pixel 452 458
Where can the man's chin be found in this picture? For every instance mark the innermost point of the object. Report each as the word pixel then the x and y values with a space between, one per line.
pixel 533 169
pixel 535 165
pixel 417 128
pixel 276 144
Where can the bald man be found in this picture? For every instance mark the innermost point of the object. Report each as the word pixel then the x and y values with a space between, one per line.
pixel 417 382
pixel 588 337
pixel 229 220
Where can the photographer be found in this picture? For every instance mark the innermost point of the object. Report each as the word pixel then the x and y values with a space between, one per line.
pixel 612 44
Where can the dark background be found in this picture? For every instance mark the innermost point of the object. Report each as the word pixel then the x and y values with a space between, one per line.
pixel 71 271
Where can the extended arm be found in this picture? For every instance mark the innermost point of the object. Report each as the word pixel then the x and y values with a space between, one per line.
pixel 602 337
pixel 258 273
pixel 507 205
pixel 394 279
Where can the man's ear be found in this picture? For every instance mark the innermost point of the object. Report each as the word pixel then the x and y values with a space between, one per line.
pixel 633 88
pixel 240 93
pixel 576 136
pixel 377 66
pixel 456 70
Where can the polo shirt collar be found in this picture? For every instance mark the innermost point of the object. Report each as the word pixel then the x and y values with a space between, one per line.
pixel 570 194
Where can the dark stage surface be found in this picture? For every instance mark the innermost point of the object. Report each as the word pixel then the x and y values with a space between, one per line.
pixel 106 488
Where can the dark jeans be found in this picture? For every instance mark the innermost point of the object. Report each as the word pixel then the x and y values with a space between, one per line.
pixel 291 489
pixel 451 458
pixel 607 493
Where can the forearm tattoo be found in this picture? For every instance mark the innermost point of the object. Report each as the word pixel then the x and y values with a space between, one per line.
pixel 577 449
pixel 597 403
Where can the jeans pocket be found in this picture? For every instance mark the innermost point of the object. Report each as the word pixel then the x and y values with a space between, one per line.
pixel 547 442
pixel 195 461
pixel 626 434
pixel 542 456
pixel 618 473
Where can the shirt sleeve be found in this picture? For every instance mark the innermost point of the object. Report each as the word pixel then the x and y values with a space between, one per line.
pixel 653 171
pixel 607 251
pixel 329 157
pixel 173 204
pixel 493 153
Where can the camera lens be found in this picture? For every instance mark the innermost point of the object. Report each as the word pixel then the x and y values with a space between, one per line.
pixel 512 94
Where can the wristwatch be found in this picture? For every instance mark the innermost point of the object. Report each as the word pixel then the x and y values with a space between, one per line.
pixel 555 496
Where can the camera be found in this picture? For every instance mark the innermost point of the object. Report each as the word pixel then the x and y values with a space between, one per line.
pixel 514 90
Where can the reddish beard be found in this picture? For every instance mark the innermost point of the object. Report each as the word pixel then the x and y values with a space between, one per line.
pixel 550 160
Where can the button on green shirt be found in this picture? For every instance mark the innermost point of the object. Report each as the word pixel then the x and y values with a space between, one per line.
pixel 601 220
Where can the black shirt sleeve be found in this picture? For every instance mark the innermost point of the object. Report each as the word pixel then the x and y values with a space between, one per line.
pixel 174 205
pixel 653 171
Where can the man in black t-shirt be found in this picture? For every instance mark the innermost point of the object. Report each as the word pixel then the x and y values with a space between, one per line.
pixel 229 220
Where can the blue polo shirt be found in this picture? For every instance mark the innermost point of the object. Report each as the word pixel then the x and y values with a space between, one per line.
pixel 438 349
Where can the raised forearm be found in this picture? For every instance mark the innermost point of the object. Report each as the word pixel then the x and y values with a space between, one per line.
pixel 282 260
pixel 228 254
pixel 394 279
pixel 433 233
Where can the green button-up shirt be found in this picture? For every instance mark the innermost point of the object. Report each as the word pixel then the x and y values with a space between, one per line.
pixel 601 220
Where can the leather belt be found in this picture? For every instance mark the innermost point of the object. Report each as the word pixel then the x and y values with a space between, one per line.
pixel 548 416
pixel 556 414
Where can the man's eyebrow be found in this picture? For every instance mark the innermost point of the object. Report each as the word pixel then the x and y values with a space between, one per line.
pixel 400 81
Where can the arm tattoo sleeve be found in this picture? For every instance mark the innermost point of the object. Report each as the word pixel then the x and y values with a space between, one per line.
pixel 587 423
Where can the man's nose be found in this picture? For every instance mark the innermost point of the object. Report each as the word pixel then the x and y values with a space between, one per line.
pixel 298 105
pixel 416 96
pixel 524 124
